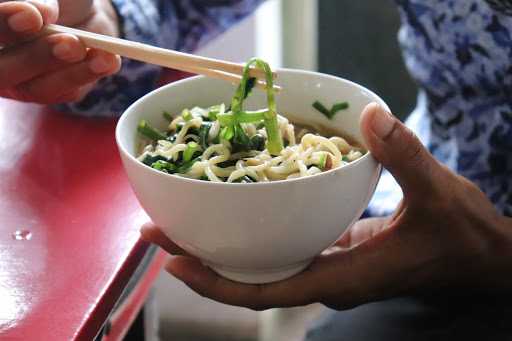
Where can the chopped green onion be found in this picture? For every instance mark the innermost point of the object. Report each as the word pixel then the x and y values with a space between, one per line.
pixel 216 110
pixel 251 116
pixel 338 107
pixel 167 116
pixel 322 109
pixel 187 115
pixel 227 133
pixel 151 133
pixel 226 119
pixel 334 109
pixel 322 161
pixel 192 148
pixel 242 117
pixel 251 83
pixel 274 141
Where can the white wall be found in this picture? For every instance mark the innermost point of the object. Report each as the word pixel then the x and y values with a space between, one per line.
pixel 257 36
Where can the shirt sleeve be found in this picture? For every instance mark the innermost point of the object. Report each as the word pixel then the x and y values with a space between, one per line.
pixel 182 25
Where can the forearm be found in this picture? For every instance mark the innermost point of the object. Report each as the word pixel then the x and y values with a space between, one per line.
pixel 182 25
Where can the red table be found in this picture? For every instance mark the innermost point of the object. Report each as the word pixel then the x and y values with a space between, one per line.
pixel 69 225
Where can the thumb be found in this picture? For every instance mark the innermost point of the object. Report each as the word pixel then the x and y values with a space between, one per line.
pixel 399 150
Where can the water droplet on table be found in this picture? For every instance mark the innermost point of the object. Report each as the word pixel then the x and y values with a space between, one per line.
pixel 22 235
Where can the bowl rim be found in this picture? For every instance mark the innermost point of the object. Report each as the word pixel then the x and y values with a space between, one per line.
pixel 365 158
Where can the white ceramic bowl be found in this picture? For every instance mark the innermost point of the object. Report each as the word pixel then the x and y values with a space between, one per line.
pixel 263 232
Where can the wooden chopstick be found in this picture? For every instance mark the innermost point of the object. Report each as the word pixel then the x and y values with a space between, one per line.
pixel 155 55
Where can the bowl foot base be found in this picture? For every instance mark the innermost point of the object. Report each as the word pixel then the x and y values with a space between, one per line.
pixel 258 276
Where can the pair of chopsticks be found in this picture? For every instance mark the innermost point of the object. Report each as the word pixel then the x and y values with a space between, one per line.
pixel 209 67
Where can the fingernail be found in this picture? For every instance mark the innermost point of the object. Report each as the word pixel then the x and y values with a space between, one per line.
pixel 100 64
pixel 62 51
pixel 21 22
pixel 383 121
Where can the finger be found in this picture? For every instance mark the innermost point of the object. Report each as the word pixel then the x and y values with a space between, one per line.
pixel 399 150
pixel 361 231
pixel 153 234
pixel 298 290
pixel 343 279
pixel 49 10
pixel 18 19
pixel 28 60
pixel 48 88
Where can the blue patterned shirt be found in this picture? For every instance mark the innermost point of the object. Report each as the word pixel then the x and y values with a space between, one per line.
pixel 460 54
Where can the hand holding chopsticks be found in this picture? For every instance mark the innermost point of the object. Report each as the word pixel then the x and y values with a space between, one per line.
pixel 209 67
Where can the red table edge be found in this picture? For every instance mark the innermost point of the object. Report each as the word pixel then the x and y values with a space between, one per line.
pixel 122 319
pixel 91 327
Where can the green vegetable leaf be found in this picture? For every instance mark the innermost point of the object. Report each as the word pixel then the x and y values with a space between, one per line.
pixel 258 142
pixel 150 160
pixel 204 132
pixel 241 141
pixel 151 133
pixel 164 166
pixel 185 167
pixel 275 140
pixel 226 164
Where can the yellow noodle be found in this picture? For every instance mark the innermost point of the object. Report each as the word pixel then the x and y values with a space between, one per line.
pixel 295 161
